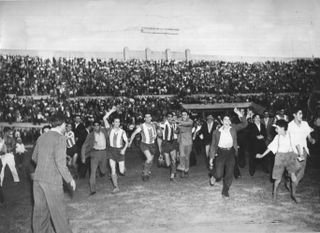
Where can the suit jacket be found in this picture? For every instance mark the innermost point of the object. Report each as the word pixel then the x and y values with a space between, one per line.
pixel 50 156
pixel 233 131
pixel 87 146
pixel 80 134
pixel 269 129
pixel 11 144
pixel 185 133
pixel 257 145
pixel 207 135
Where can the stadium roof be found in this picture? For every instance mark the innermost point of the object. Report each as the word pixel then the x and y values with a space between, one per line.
pixel 223 106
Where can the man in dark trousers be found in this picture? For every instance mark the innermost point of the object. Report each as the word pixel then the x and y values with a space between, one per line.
pixel 257 138
pixel 224 148
pixel 206 131
pixel 80 134
pixel 97 148
pixel 49 212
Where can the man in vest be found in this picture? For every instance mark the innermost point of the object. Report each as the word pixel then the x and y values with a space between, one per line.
pixel 149 134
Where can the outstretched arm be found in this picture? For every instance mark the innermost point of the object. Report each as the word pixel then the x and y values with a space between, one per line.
pixel 259 156
pixel 106 116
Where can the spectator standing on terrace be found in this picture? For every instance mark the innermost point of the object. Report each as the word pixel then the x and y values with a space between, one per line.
pixel 49 212
pixel 185 125
pixel 148 131
pixel 223 149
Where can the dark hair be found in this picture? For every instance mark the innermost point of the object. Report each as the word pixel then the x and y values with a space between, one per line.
pixel 296 109
pixel 57 120
pixel 254 115
pixel 45 127
pixel 96 122
pixel 282 124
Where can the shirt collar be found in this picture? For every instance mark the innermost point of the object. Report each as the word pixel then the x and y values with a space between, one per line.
pixel 226 128
pixel 55 130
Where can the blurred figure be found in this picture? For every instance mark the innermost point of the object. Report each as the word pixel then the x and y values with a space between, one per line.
pixel 72 151
pixel 20 150
pixel 7 158
pixel 184 125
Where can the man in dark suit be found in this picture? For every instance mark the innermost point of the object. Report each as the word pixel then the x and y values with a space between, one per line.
pixel 206 131
pixel 224 148
pixel 257 138
pixel 49 154
pixel 80 134
pixel 268 122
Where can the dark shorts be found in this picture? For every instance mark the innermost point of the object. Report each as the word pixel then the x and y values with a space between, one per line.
pixel 167 147
pixel 148 147
pixel 176 144
pixel 115 154
pixel 284 161
pixel 72 150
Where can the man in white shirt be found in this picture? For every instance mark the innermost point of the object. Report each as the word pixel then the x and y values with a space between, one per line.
pixel 285 154
pixel 224 149
pixel 300 131
pixel 95 147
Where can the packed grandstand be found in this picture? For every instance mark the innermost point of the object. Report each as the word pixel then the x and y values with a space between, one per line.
pixel 137 86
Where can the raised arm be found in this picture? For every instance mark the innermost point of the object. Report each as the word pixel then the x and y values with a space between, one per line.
pixel 185 123
pixel 106 116
pixel 243 121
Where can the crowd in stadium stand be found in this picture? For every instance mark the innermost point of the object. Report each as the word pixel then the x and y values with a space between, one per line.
pixel 24 75
pixel 274 85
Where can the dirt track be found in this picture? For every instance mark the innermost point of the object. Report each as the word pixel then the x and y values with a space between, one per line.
pixel 188 205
